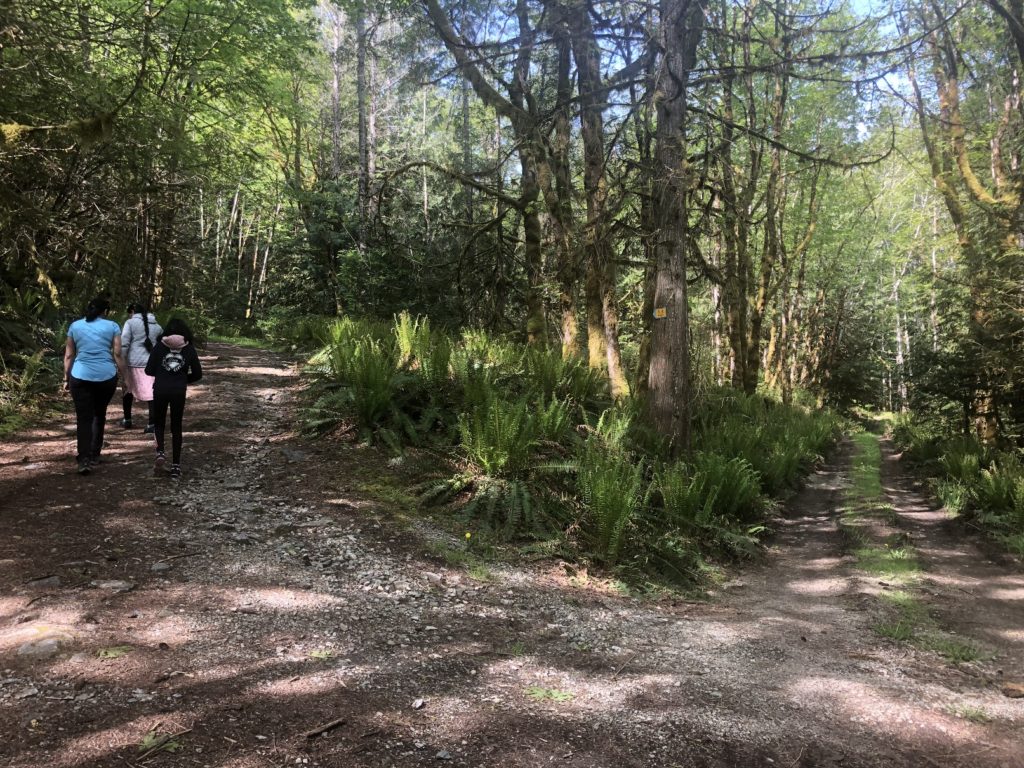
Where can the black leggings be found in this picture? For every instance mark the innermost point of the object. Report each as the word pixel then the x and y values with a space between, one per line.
pixel 126 404
pixel 91 401
pixel 160 404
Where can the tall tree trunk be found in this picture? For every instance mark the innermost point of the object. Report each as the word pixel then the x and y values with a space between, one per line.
pixel 567 268
pixel 426 200
pixel 531 158
pixel 600 264
pixel 335 93
pixel 519 108
pixel 643 129
pixel 362 106
pixel 680 31
pixel 983 221
pixel 85 30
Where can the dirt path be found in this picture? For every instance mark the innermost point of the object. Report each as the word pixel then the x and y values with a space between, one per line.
pixel 278 589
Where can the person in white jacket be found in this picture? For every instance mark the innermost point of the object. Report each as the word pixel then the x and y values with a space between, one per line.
pixel 138 338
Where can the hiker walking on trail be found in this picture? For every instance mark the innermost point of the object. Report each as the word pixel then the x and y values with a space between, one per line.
pixel 138 339
pixel 92 358
pixel 174 364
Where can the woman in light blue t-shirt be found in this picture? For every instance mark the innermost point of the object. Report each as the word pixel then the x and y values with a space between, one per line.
pixel 92 358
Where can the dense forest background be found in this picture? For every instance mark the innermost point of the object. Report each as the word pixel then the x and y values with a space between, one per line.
pixel 818 202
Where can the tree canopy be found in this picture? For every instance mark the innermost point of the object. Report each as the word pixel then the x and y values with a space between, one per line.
pixel 822 200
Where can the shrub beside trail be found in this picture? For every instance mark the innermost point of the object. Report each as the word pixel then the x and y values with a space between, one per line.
pixel 535 449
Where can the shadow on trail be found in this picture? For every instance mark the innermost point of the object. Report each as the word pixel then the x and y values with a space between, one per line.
pixel 253 642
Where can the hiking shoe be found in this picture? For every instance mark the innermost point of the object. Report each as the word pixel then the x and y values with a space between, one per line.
pixel 175 471
pixel 126 423
pixel 158 467
pixel 84 468
pixel 149 429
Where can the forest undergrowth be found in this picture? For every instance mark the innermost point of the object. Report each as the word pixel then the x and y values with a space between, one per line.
pixel 516 445
pixel 980 484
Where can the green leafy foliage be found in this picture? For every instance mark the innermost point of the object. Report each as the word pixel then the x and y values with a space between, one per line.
pixel 976 481
pixel 549 375
pixel 779 443
pixel 710 486
pixel 954 495
pixel 285 328
pixel 516 418
pixel 612 487
pixel 539 693
pixel 499 437
pixel 114 652
pixel 23 381
pixel 555 422
pixel 370 375
pixel 156 741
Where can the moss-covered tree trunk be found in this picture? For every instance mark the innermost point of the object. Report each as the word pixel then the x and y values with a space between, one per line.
pixel 601 272
pixel 680 31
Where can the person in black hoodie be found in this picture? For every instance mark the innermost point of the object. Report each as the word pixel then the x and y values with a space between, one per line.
pixel 174 364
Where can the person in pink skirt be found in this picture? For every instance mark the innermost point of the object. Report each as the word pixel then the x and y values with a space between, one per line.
pixel 138 338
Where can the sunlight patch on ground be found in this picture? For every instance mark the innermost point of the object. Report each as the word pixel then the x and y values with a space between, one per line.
pixel 817 586
pixel 288 599
pixel 204 672
pixel 220 598
pixel 820 564
pixel 9 606
pixel 174 631
pixel 96 748
pixel 303 685
pixel 1006 593
pixel 936 577
pixel 251 761
pixel 60 626
pixel 23 467
pixel 1011 635
pixel 258 371
pixel 132 524
pixel 346 503
pixel 875 708
pixel 548 688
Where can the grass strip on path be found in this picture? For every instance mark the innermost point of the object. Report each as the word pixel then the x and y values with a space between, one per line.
pixel 870 527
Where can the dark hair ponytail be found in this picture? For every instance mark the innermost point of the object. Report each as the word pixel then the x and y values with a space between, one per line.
pixel 144 311
pixel 96 307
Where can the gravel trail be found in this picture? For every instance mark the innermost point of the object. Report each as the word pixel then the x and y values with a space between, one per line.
pixel 283 605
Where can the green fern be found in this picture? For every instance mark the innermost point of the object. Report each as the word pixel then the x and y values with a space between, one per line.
pixel 611 486
pixel 710 487
pixel 503 505
pixel 996 486
pixel 499 437
pixel 407 330
pixel 476 381
pixel 443 490
pixel 963 462
pixel 548 375
pixel 555 422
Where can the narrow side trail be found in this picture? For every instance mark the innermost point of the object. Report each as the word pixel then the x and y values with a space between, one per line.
pixel 283 605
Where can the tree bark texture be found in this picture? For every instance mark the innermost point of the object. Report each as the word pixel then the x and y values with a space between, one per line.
pixel 680 32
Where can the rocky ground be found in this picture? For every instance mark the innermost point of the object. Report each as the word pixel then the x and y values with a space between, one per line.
pixel 284 605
